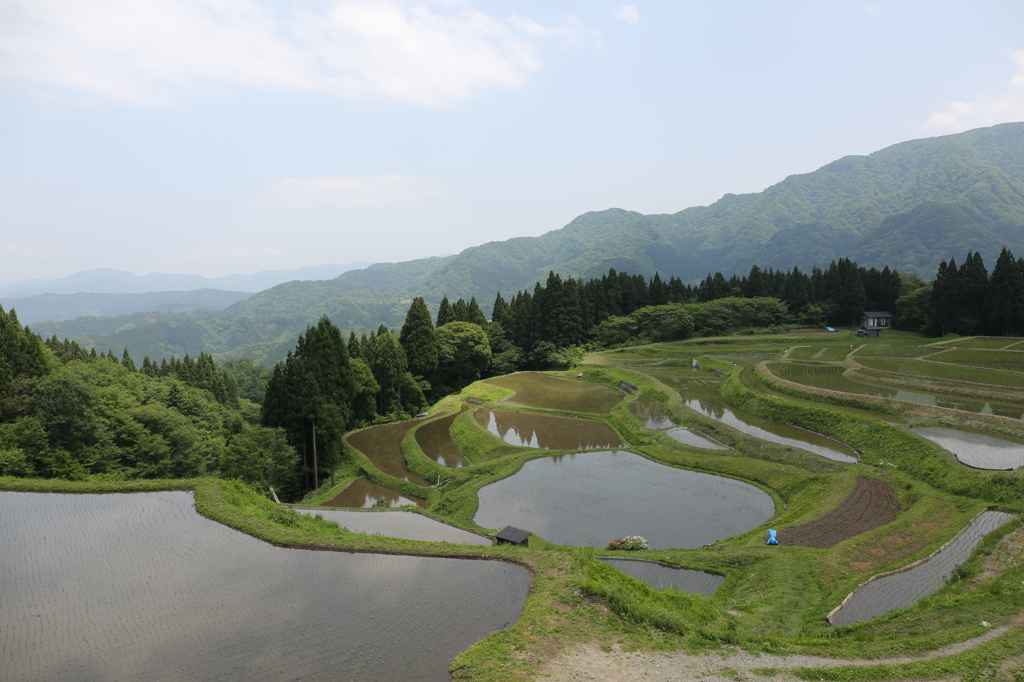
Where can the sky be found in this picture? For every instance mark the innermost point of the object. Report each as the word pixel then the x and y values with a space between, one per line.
pixel 214 137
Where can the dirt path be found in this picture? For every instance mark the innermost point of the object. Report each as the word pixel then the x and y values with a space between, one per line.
pixel 590 662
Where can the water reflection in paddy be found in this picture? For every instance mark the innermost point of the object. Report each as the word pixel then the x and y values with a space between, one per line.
pixel 976 450
pixel 140 586
pixel 701 393
pixel 839 382
pixel 534 389
pixel 383 446
pixel 589 499
pixel 697 440
pixel 363 492
pixel 436 444
pixel 398 524
pixel 650 411
pixel 546 431
pixel 899 590
pixel 660 575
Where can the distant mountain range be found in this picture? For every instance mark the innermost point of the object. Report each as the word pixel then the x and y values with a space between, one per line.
pixel 108 281
pixel 59 307
pixel 908 206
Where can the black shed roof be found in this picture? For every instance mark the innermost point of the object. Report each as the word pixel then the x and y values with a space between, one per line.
pixel 877 313
pixel 513 535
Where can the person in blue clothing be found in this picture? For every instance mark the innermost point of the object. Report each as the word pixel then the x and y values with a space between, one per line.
pixel 771 538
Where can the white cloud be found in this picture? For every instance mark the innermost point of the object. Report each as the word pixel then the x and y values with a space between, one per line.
pixel 154 52
pixel 987 109
pixel 342 192
pixel 628 14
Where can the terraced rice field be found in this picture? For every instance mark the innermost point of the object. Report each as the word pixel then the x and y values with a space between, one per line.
pixel 1006 360
pixel 548 432
pixel 975 449
pixel 398 524
pixel 363 493
pixel 991 342
pixel 935 370
pixel 871 503
pixel 901 589
pixel 895 351
pixel 141 587
pixel 383 446
pixel 695 439
pixel 650 411
pixel 436 444
pixel 589 499
pixel 544 391
pixel 701 394
pixel 831 378
pixel 660 575
pixel 821 353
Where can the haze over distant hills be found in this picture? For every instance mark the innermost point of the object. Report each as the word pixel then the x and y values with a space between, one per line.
pixel 110 281
pixel 908 206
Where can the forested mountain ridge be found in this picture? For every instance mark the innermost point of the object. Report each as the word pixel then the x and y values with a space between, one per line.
pixel 909 206
pixel 69 306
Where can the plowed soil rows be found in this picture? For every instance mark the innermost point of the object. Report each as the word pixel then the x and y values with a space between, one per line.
pixel 871 503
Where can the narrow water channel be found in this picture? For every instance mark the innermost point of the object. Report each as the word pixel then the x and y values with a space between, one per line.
pixel 660 575
pixel 701 393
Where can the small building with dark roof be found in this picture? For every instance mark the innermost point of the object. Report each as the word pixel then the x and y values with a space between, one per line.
pixel 873 322
pixel 513 536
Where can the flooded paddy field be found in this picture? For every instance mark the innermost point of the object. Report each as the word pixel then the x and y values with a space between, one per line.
pixel 831 378
pixel 904 588
pixel 383 445
pixel 363 493
pixel 140 586
pixel 589 499
pixel 695 439
pixel 534 389
pixel 701 394
pixel 436 444
pixel 872 503
pixel 398 524
pixel 661 575
pixel 975 449
pixel 548 432
pixel 651 412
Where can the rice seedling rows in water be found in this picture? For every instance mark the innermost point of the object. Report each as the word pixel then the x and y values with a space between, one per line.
pixel 903 589
pixel 1010 361
pixel 875 351
pixel 943 371
pixel 822 353
pixel 989 342
pixel 139 586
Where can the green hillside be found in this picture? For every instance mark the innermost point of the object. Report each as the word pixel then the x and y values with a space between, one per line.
pixel 908 206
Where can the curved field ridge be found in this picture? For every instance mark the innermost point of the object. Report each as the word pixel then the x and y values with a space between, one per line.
pixel 436 444
pixel 398 524
pixel 141 587
pixel 660 575
pixel 383 446
pixel 363 492
pixel 871 503
pixel 898 589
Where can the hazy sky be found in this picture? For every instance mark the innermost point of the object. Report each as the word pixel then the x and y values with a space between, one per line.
pixel 223 136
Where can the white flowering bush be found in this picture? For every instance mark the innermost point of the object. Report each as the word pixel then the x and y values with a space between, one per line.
pixel 630 543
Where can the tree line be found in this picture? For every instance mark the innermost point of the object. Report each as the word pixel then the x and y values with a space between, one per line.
pixel 969 301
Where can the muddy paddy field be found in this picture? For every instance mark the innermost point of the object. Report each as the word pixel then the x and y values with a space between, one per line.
pixel 881 524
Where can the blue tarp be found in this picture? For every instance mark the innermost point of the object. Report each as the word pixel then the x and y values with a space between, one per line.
pixel 830 329
pixel 771 538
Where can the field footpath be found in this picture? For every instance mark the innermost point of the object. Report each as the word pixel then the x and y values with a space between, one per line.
pixel 588 661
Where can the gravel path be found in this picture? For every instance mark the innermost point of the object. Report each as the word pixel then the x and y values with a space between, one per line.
pixel 589 662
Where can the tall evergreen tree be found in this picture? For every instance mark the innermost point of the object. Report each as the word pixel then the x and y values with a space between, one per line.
pixel 1006 296
pixel 445 314
pixel 473 313
pixel 419 340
